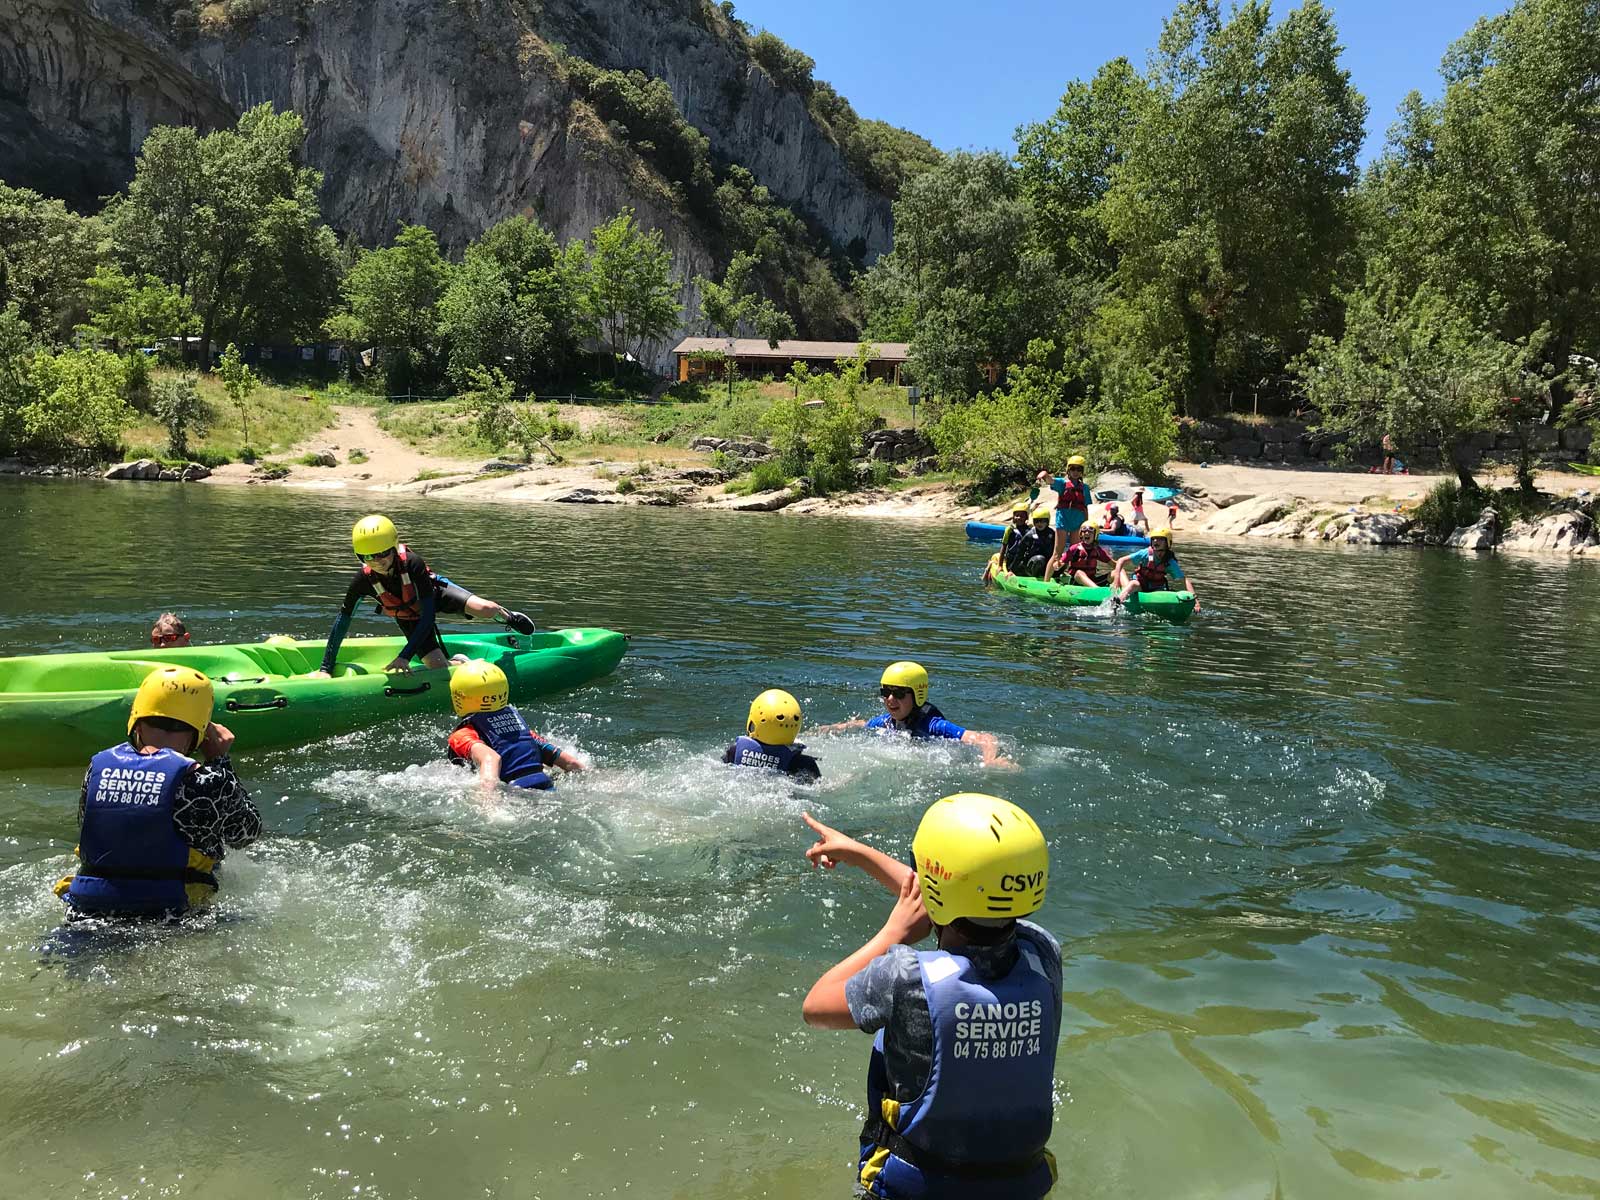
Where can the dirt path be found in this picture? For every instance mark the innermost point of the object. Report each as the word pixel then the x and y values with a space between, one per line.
pixel 390 462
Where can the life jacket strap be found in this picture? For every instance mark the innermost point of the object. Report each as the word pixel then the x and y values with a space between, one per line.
pixel 162 874
pixel 877 1131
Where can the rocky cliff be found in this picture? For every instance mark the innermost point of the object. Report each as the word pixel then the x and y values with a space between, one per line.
pixel 449 113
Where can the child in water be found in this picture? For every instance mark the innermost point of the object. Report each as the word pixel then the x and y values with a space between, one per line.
pixel 903 688
pixel 768 742
pixel 960 1079
pixel 492 736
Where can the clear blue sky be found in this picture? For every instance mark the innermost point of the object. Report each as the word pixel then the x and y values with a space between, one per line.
pixel 965 75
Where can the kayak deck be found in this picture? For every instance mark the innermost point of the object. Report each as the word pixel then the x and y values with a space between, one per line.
pixel 57 709
pixel 1176 607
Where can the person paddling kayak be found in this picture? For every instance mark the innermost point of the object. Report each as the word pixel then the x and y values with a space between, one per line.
pixel 408 591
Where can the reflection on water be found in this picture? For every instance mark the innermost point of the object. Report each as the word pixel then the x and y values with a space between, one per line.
pixel 1324 866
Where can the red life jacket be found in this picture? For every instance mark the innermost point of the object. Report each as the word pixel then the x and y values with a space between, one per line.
pixel 1075 495
pixel 1080 558
pixel 1151 577
pixel 404 606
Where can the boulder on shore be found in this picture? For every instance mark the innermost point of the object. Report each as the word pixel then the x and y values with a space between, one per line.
pixel 1239 519
pixel 1554 533
pixel 1377 529
pixel 1480 536
pixel 762 501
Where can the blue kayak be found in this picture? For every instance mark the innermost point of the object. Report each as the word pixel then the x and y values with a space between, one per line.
pixel 984 531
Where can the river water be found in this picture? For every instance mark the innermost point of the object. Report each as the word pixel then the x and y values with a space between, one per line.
pixel 1325 866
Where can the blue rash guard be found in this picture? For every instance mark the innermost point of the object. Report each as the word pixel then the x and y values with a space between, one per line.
pixel 1140 558
pixel 925 722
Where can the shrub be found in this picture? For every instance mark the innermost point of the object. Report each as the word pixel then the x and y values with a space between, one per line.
pixel 626 485
pixel 768 476
pixel 1003 438
pixel 182 411
pixel 136 377
pixel 247 454
pixel 1448 506
pixel 72 401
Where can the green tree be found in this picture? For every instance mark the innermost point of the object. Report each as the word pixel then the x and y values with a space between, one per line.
pixel 965 281
pixel 1488 193
pixel 629 292
pixel 1003 438
pixel 391 300
pixel 733 308
pixel 1231 212
pixel 498 420
pixel 130 313
pixel 73 401
pixel 46 253
pixel 182 410
pixel 240 382
pixel 232 222
pixel 1415 367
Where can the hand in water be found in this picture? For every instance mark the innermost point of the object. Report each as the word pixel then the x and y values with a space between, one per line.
pixel 908 923
pixel 399 666
pixel 831 847
pixel 218 740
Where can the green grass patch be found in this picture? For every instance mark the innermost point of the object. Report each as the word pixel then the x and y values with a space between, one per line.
pixel 434 428
pixel 280 418
pixel 425 475
pixel 358 457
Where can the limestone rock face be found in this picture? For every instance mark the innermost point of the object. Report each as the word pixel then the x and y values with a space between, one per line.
pixel 1480 536
pixel 440 113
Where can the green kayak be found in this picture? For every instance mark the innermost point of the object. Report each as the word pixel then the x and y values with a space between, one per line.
pixel 58 709
pixel 1174 606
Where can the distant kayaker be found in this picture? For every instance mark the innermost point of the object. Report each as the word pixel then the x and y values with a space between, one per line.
pixel 408 591
pixel 1071 501
pixel 169 630
pixel 1112 523
pixel 960 1081
pixel 158 811
pixel 492 736
pixel 1030 553
pixel 1086 562
pixel 903 689
pixel 1154 569
pixel 768 742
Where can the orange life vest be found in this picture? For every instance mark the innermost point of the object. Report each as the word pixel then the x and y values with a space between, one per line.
pixel 404 606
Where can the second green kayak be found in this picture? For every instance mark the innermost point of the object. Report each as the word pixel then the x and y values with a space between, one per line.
pixel 59 709
pixel 1174 606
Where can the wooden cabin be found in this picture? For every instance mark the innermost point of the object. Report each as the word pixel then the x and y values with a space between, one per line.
pixel 706 357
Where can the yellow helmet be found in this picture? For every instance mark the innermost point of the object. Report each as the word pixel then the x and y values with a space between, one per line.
pixel 176 693
pixel 374 535
pixel 774 718
pixel 478 687
pixel 1077 460
pixel 1163 532
pixel 980 856
pixel 1041 514
pixel 907 674
pixel 1021 506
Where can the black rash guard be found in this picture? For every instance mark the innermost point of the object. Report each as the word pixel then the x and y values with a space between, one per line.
pixel 419 633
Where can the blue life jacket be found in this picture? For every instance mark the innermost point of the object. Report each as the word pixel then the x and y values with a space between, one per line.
pixel 508 735
pixel 747 752
pixel 979 1129
pixel 916 724
pixel 132 858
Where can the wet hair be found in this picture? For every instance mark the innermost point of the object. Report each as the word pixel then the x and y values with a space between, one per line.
pixel 174 620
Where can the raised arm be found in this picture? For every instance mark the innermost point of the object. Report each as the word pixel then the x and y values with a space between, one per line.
pixel 832 848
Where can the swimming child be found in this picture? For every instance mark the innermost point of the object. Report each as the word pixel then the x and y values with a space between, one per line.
pixel 903 688
pixel 169 630
pixel 492 736
pixel 768 741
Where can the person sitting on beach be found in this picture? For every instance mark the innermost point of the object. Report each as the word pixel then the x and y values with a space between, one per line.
pixel 1140 522
pixel 1086 561
pixel 1030 554
pixel 1113 523
pixel 491 735
pixel 768 742
pixel 169 630
pixel 903 687
pixel 158 811
pixel 960 1081
pixel 408 591
pixel 1154 569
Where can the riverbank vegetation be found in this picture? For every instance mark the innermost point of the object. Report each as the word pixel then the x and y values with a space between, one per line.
pixel 1193 238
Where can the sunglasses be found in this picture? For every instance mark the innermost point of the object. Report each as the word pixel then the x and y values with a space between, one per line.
pixel 165 639
pixel 899 693
pixel 375 557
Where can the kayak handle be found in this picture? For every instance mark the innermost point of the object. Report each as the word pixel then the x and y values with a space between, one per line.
pixel 275 702
pixel 252 679
pixel 416 691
